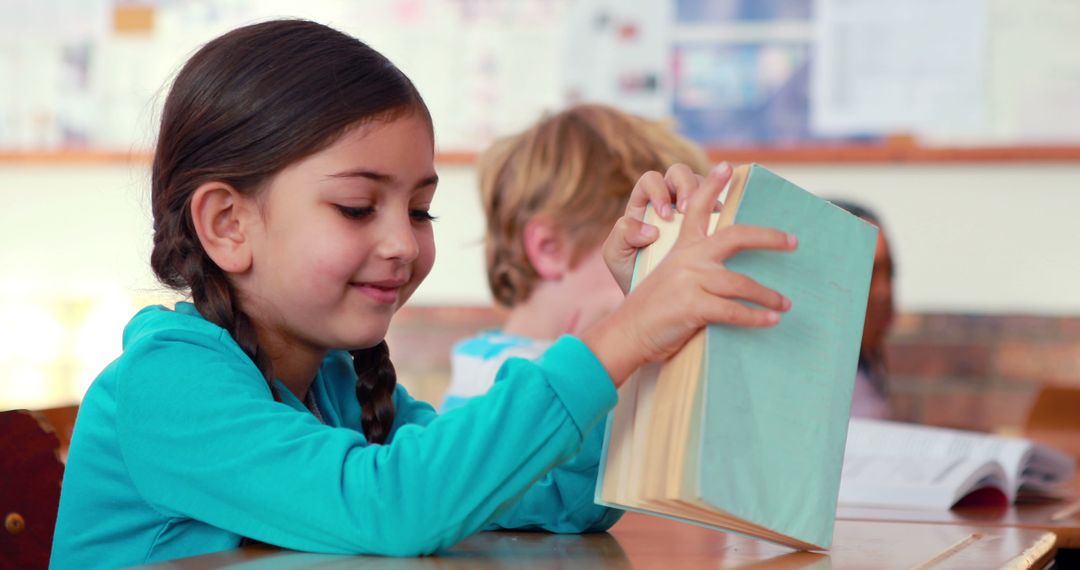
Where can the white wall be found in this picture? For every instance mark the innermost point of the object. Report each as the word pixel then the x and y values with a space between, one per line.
pixel 975 238
pixel 76 239
pixel 980 238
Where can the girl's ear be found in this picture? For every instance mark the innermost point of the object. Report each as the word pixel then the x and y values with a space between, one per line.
pixel 547 250
pixel 221 216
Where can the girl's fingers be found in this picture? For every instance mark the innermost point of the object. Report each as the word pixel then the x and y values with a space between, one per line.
pixel 728 312
pixel 701 203
pixel 735 285
pixel 635 234
pixel 682 182
pixel 650 189
pixel 701 182
pixel 625 239
pixel 729 240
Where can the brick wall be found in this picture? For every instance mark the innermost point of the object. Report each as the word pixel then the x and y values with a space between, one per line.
pixel 979 371
pixel 969 371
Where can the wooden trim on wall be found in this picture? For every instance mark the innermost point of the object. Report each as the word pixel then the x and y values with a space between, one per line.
pixel 892 153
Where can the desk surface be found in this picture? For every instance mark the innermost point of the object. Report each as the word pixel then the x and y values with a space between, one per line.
pixel 640 541
pixel 1060 517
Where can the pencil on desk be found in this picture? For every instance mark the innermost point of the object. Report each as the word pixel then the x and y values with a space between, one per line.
pixel 1066 512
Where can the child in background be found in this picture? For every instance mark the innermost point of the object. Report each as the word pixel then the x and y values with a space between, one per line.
pixel 290 190
pixel 550 196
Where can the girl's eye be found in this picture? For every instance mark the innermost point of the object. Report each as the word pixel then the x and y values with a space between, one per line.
pixel 422 216
pixel 356 213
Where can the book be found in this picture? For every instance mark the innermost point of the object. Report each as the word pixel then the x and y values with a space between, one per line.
pixel 744 429
pixel 906 466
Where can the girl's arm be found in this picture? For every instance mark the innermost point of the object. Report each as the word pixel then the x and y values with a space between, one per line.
pixel 205 442
pixel 562 501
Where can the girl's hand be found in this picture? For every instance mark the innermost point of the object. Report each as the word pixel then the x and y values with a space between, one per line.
pixel 689 289
pixel 664 192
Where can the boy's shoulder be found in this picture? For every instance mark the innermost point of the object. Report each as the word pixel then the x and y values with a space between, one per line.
pixel 476 360
pixel 494 344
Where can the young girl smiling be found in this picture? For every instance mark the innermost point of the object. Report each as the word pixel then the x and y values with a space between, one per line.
pixel 291 187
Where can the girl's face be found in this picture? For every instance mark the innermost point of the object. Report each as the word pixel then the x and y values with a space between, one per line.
pixel 344 239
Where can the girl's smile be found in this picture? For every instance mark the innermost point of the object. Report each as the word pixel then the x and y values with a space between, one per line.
pixel 386 292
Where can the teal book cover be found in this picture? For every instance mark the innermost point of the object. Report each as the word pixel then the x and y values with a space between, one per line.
pixel 768 432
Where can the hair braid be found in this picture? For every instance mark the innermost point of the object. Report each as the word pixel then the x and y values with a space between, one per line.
pixel 375 382
pixel 217 302
pixel 185 266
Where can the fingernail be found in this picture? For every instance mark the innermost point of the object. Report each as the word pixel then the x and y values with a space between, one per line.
pixel 792 241
pixel 786 304
pixel 721 168
pixel 665 211
pixel 648 231
pixel 682 205
pixel 772 317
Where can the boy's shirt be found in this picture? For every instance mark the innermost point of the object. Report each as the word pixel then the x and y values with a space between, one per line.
pixel 475 361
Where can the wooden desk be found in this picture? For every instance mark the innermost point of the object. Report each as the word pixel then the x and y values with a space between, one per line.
pixel 640 541
pixel 1060 517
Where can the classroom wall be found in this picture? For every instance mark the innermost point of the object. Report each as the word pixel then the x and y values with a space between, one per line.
pixel 970 240
pixel 973 238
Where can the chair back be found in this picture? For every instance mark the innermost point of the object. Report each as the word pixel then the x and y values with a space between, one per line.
pixel 30 475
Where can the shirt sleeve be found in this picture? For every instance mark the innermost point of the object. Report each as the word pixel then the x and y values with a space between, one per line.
pixel 202 439
pixel 563 500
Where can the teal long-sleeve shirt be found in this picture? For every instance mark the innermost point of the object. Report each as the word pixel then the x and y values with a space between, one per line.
pixel 180 449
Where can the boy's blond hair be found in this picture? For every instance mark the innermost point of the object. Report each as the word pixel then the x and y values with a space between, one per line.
pixel 574 169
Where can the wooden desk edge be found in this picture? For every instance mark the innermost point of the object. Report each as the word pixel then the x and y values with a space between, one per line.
pixel 1038 556
pixel 1068 536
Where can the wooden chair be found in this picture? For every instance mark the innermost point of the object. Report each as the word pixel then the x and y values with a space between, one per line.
pixel 30 475
pixel 62 421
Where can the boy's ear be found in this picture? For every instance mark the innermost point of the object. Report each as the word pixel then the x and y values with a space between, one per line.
pixel 221 215
pixel 547 250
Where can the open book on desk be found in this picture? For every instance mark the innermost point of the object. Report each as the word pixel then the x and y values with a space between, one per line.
pixel 897 465
pixel 743 429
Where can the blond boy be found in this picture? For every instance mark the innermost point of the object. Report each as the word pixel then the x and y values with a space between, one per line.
pixel 551 194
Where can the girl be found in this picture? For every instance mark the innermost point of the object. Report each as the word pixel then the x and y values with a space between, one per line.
pixel 290 194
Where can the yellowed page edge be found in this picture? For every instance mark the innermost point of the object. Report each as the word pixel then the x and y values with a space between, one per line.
pixel 620 441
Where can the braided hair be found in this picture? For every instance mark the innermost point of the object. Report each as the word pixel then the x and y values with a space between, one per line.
pixel 244 107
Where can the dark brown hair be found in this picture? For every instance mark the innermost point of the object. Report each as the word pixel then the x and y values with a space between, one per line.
pixel 243 108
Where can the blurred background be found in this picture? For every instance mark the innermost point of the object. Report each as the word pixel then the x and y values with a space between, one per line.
pixel 957 121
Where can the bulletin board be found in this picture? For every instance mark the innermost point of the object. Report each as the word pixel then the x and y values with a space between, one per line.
pixel 767 80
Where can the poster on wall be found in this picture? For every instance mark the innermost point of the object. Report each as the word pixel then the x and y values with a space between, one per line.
pixel 916 68
pixel 740 73
pixel 616 52
pixel 746 93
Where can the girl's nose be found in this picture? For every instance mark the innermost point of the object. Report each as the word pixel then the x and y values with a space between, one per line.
pixel 397 239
